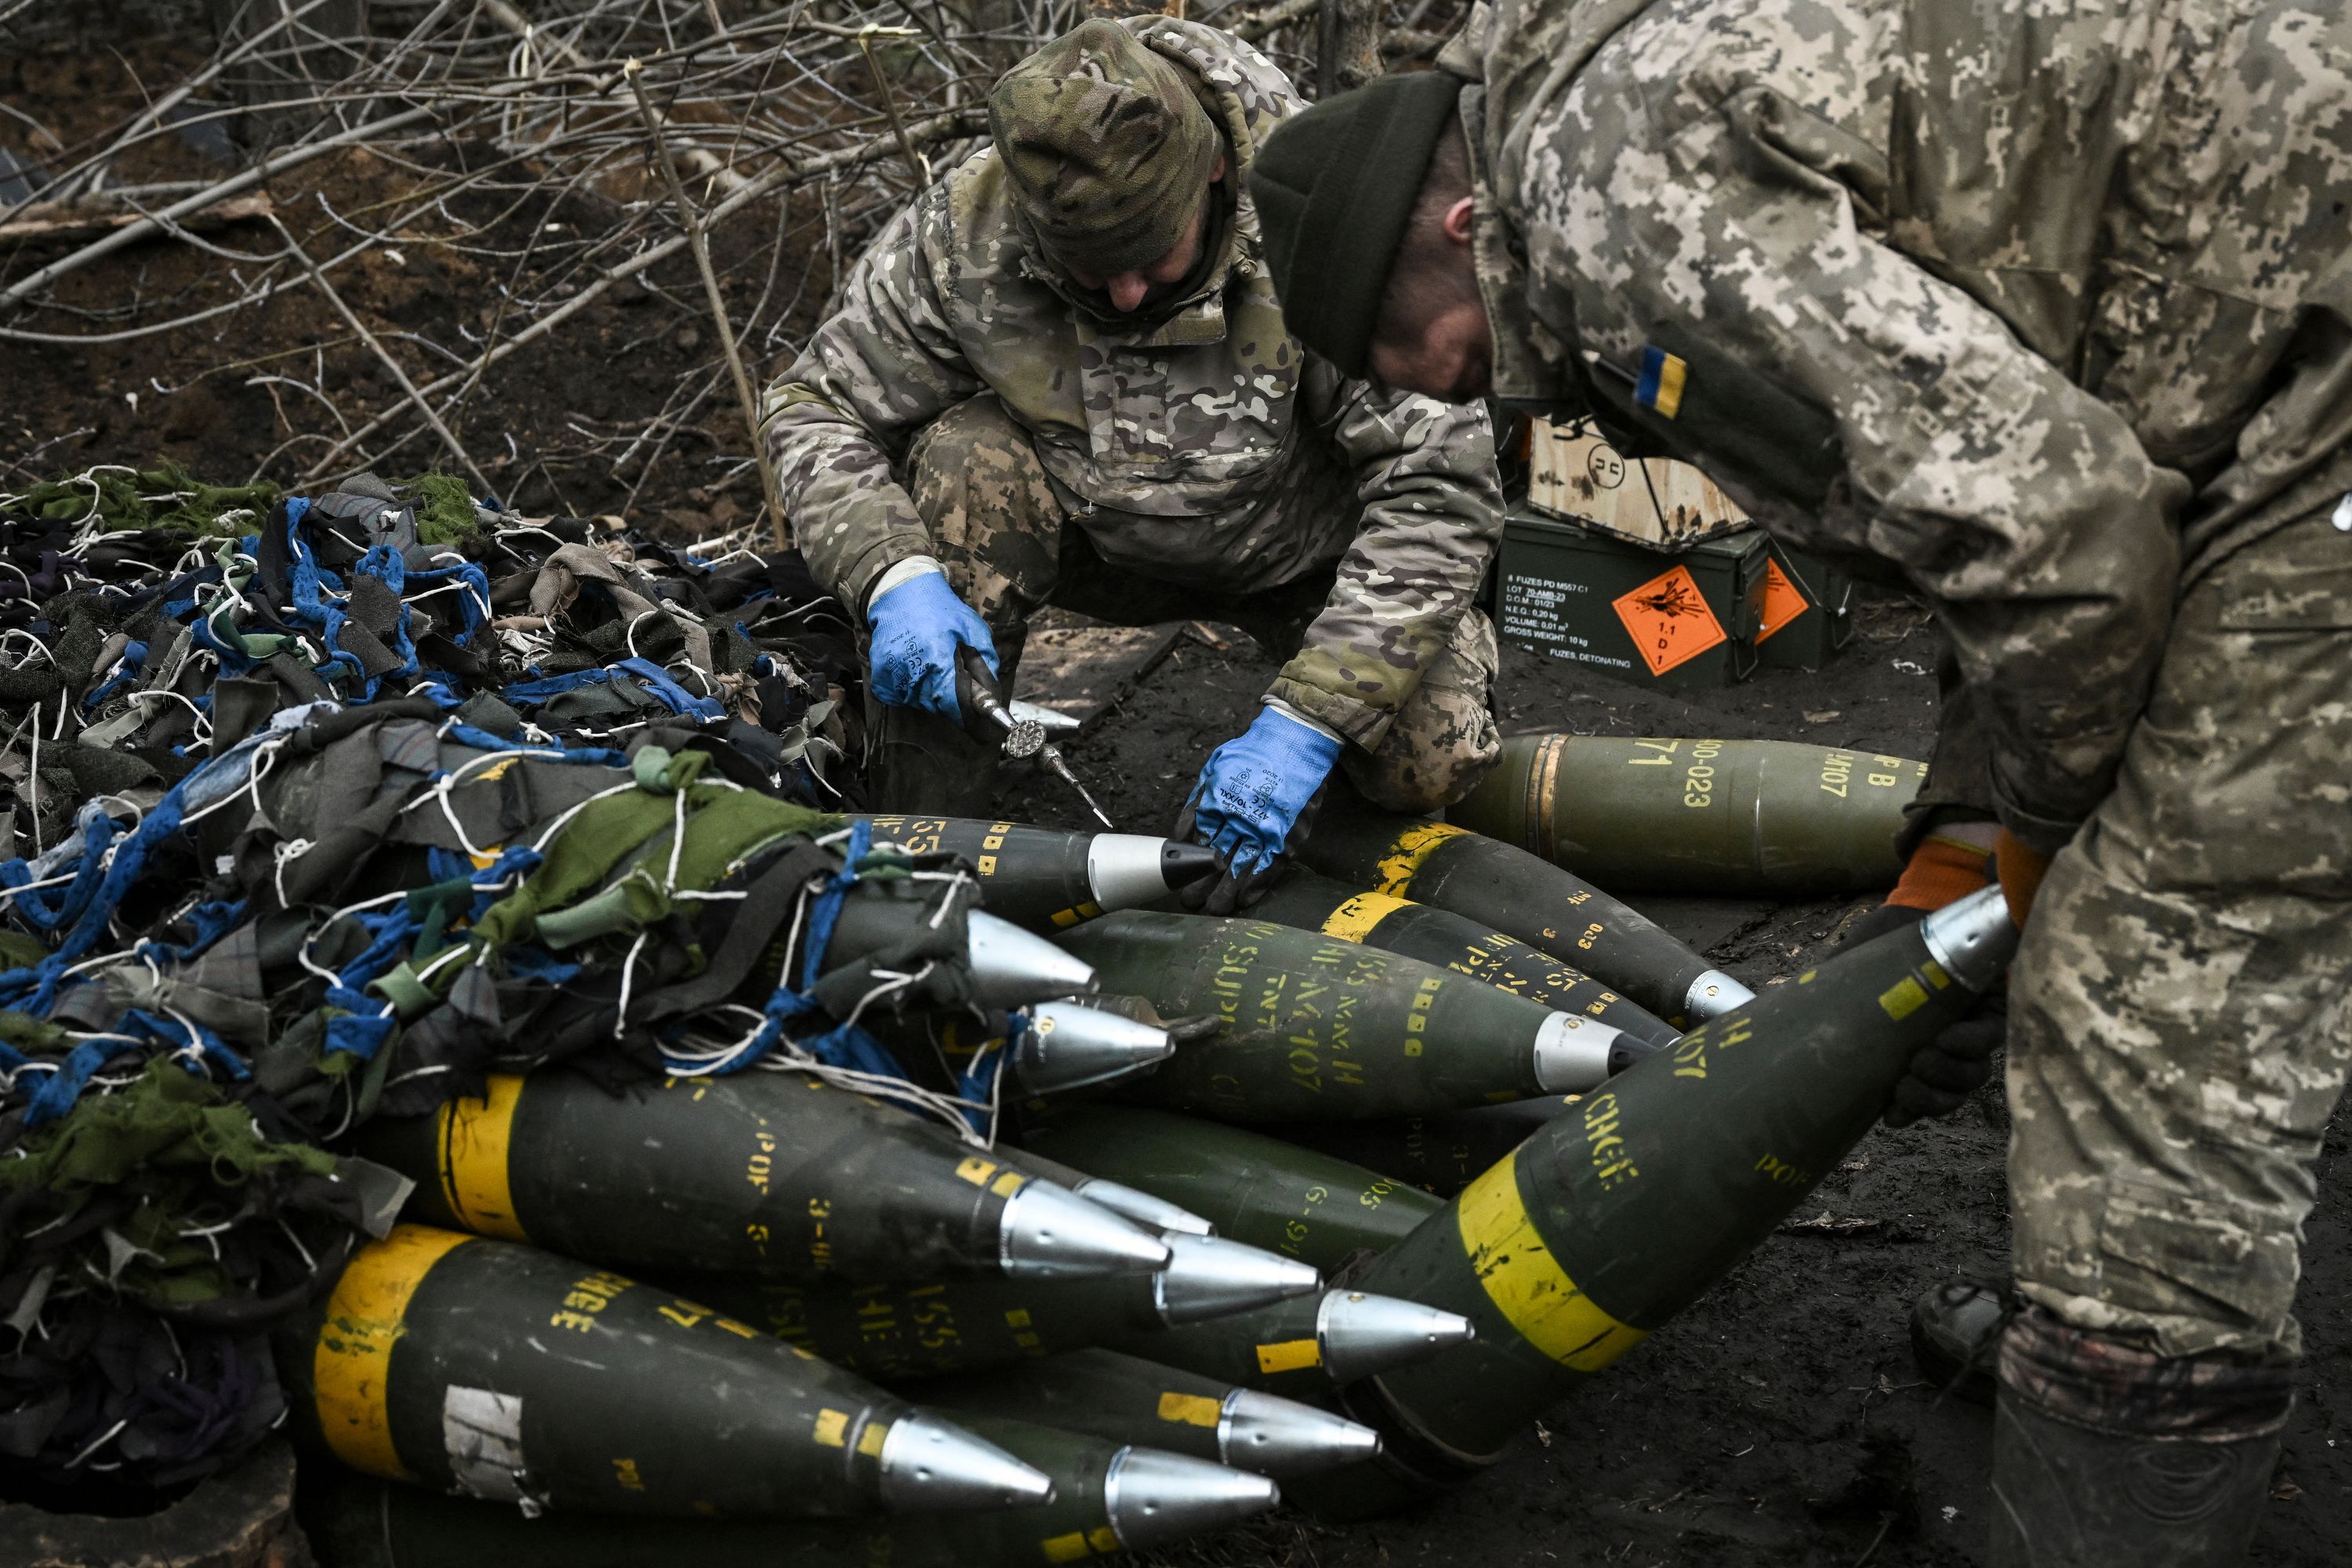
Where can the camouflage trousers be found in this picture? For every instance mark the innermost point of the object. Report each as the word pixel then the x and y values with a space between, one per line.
pixel 2178 1032
pixel 1013 542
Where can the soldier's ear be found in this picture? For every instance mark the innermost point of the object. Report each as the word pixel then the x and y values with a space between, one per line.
pixel 1217 173
pixel 1457 221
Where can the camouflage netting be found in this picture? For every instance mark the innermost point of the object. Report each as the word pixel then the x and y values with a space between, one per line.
pixel 318 809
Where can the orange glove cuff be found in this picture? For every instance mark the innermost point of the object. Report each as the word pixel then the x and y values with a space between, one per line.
pixel 2021 868
pixel 1941 871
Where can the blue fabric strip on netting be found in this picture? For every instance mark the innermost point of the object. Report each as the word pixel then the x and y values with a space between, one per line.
pixel 33 988
pixel 653 676
pixel 843 1045
pixel 63 1087
pixel 47 909
pixel 134 661
pixel 483 740
pixel 368 1022
pixel 181 1033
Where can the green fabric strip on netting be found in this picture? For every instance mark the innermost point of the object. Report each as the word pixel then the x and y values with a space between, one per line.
pixel 153 498
pixel 168 1119
pixel 593 843
pixel 445 509
pixel 728 830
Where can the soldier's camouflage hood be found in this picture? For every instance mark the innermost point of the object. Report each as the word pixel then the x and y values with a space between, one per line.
pixel 1238 108
pixel 1107 147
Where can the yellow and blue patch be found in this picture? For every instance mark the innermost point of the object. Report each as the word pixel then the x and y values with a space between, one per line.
pixel 1659 388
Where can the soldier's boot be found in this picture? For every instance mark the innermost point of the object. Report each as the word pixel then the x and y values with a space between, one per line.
pixel 925 766
pixel 2105 1453
pixel 1955 1333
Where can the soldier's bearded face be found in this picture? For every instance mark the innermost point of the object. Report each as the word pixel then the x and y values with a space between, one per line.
pixel 1131 292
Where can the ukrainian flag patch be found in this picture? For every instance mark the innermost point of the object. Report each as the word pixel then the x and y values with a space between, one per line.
pixel 1659 388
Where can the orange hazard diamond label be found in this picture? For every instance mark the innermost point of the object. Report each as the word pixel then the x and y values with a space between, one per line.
pixel 1783 601
pixel 1668 619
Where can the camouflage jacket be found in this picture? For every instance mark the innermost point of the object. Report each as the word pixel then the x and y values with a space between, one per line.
pixel 1168 430
pixel 1993 292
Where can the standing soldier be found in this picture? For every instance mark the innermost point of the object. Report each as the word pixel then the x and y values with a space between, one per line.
pixel 1062 377
pixel 2051 306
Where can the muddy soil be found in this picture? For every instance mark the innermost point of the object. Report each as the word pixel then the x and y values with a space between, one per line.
pixel 1780 1421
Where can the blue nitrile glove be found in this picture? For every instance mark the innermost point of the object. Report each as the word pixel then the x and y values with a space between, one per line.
pixel 918 626
pixel 1253 788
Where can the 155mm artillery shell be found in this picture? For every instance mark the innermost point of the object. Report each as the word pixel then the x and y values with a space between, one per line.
pixel 1106 1499
pixel 1505 887
pixel 1254 1188
pixel 1316 1029
pixel 757 1172
pixel 1146 1209
pixel 1440 1153
pixel 1123 1399
pixel 1450 941
pixel 1049 879
pixel 1726 818
pixel 511 1374
pixel 1304 1346
pixel 1611 1220
pixel 926 1331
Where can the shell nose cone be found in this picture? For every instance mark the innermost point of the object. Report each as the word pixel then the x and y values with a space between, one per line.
pixel 1276 1437
pixel 1154 1498
pixel 1010 967
pixel 1973 938
pixel 931 1465
pixel 1068 1045
pixel 1129 870
pixel 1715 993
pixel 1048 1232
pixel 1208 1276
pixel 1363 1335
pixel 1151 1213
pixel 1573 1054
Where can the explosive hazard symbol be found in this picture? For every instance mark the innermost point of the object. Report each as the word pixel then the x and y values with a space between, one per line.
pixel 1668 620
pixel 1783 601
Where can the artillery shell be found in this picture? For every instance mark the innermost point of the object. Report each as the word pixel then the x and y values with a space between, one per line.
pixel 758 1172
pixel 899 1331
pixel 1440 1153
pixel 1106 1499
pixel 1146 1209
pixel 1048 880
pixel 1519 894
pixel 1125 1400
pixel 1727 819
pixel 1611 1220
pixel 511 1374
pixel 1450 941
pixel 1304 1346
pixel 1254 1188
pixel 1316 1029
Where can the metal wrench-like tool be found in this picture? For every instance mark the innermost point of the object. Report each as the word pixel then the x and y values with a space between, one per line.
pixel 1023 737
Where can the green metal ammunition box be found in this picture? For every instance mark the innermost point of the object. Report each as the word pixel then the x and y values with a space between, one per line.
pixel 1684 618
pixel 1808 610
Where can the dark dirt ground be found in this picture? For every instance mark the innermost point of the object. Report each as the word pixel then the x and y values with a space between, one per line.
pixel 1780 1421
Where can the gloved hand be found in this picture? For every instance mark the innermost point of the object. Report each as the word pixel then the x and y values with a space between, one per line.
pixel 2021 869
pixel 1253 787
pixel 918 626
pixel 1955 1064
pixel 1944 870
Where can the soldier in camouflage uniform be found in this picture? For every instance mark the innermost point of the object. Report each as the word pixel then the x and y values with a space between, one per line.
pixel 1026 387
pixel 2051 306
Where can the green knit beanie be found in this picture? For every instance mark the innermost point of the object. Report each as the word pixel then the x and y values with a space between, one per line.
pixel 1106 147
pixel 1334 188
